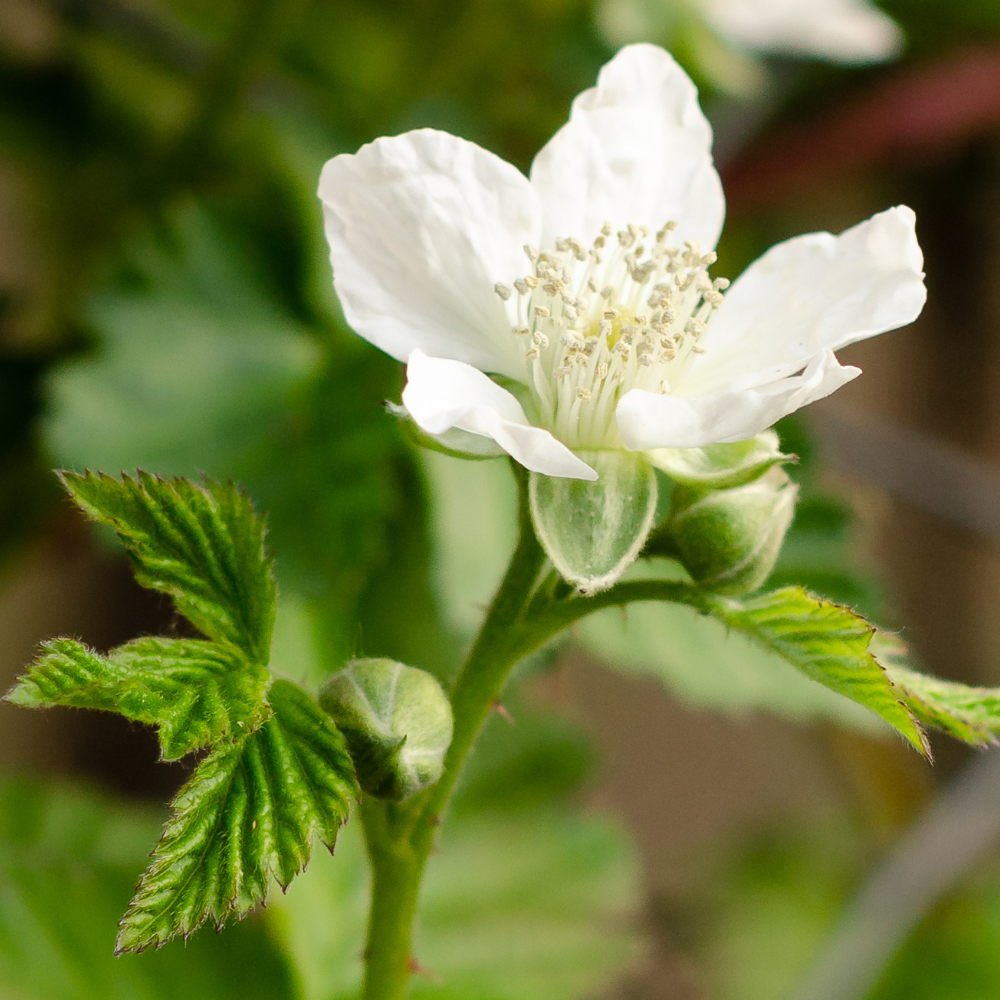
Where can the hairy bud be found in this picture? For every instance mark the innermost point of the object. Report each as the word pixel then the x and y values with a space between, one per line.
pixel 397 723
pixel 729 540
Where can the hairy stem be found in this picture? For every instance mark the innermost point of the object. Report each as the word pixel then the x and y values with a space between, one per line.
pixel 400 837
pixel 396 871
pixel 521 618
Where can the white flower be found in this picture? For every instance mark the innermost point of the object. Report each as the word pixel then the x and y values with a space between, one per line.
pixel 586 291
pixel 846 31
pixel 843 31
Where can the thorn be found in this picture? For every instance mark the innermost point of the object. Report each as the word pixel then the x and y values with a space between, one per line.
pixel 418 970
pixel 497 707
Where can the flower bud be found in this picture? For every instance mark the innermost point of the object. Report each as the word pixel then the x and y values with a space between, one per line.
pixel 729 540
pixel 397 723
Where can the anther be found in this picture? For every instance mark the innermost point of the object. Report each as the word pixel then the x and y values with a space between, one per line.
pixel 531 251
pixel 541 311
pixel 522 286
pixel 583 394
pixel 539 339
pixel 531 281
pixel 521 331
pixel 504 291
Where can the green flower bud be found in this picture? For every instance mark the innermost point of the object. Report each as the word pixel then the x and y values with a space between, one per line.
pixel 729 540
pixel 396 721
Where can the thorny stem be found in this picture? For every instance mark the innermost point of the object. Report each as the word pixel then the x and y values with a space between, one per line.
pixel 520 619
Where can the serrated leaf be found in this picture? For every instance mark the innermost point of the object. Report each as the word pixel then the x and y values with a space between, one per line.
pixel 827 642
pixel 249 812
pixel 201 544
pixel 970 714
pixel 197 693
pixel 721 466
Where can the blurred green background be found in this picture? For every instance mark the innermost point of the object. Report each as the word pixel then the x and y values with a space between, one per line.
pixel 673 814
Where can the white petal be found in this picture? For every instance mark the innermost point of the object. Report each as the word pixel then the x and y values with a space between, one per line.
pixel 636 149
pixel 807 295
pixel 421 227
pixel 848 31
pixel 649 420
pixel 441 394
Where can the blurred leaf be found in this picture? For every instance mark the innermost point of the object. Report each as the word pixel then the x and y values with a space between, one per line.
pixel 249 812
pixel 67 865
pixel 539 906
pixel 202 545
pixel 195 357
pixel 197 693
pixel 524 761
pixel 827 642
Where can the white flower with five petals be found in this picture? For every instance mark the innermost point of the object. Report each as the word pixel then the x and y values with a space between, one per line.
pixel 573 312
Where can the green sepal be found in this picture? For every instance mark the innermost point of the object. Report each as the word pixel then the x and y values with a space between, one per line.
pixel 721 466
pixel 729 540
pixel 397 722
pixel 827 642
pixel 593 531
pixel 249 812
pixel 201 544
pixel 455 442
pixel 196 693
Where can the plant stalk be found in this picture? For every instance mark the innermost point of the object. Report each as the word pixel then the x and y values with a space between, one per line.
pixel 400 838
pixel 520 619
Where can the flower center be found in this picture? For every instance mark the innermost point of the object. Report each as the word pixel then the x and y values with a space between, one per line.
pixel 596 323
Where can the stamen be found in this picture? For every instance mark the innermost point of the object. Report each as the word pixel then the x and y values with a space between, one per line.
pixel 600 327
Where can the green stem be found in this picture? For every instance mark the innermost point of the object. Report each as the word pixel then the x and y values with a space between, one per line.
pixel 396 871
pixel 400 838
pixel 519 621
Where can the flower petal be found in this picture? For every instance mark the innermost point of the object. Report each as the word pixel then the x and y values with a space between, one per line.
pixel 636 149
pixel 807 295
pixel 441 394
pixel 421 227
pixel 649 420
pixel 847 31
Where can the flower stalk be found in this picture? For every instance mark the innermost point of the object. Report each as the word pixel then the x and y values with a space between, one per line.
pixel 400 837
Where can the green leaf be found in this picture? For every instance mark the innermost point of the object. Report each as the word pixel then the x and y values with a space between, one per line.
pixel 827 642
pixel 202 545
pixel 721 466
pixel 970 714
pixel 68 859
pixel 593 531
pixel 541 905
pixel 249 812
pixel 197 693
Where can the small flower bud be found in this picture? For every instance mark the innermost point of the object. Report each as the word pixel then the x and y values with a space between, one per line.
pixel 729 540
pixel 397 723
